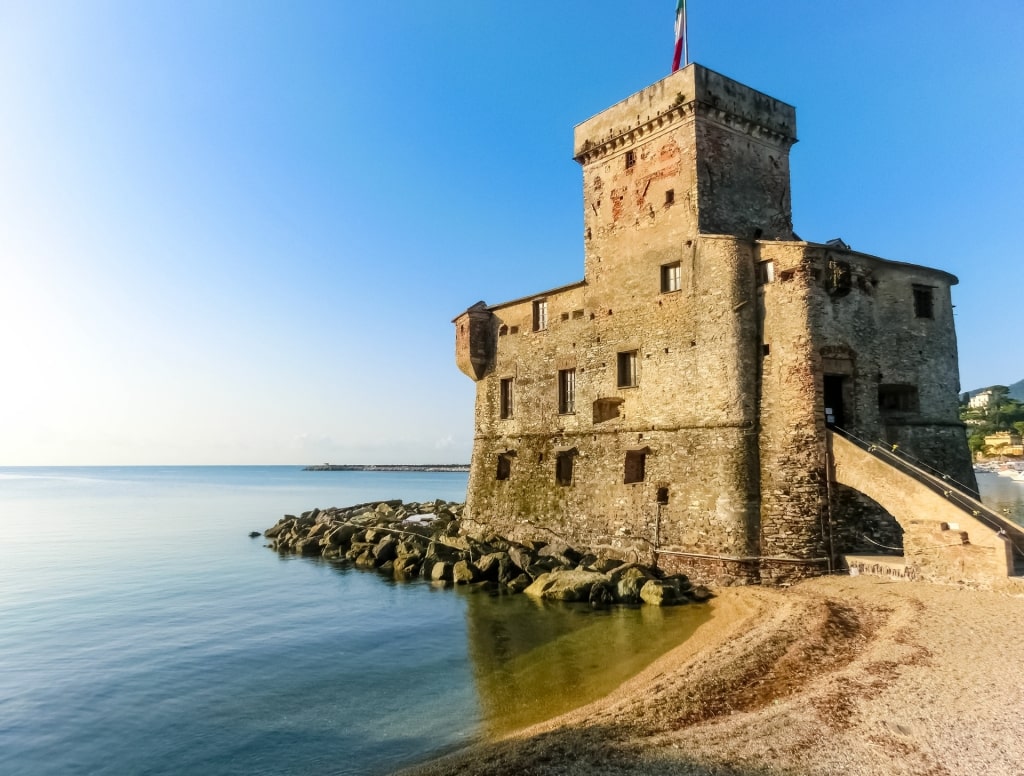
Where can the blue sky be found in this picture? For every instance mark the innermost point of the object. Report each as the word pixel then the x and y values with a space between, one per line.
pixel 236 232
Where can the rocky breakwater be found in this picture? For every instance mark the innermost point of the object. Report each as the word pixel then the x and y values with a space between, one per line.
pixel 425 540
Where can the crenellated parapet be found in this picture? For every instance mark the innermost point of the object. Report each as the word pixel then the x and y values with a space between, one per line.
pixel 692 92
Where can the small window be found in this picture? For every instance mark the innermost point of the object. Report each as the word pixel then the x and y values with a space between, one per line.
pixel 670 196
pixel 765 272
pixel 627 369
pixel 513 330
pixel 897 400
pixel 838 278
pixel 506 397
pixel 662 496
pixel 923 302
pixel 504 466
pixel 566 391
pixel 577 315
pixel 503 330
pixel 630 159
pixel 670 277
pixel 565 316
pixel 606 409
pixel 540 315
pixel 636 466
pixel 563 467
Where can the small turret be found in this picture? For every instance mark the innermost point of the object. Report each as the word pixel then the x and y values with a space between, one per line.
pixel 475 341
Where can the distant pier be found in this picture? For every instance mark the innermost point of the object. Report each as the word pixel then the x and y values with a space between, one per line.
pixel 388 467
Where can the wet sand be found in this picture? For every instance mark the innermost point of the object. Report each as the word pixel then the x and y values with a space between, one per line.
pixel 841 675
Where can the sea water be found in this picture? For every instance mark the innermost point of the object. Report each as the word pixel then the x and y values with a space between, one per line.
pixel 143 632
pixel 1003 495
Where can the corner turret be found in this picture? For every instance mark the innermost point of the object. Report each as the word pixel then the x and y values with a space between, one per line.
pixel 475 341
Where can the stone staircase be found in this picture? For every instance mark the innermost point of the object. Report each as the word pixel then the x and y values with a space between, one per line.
pixel 949 536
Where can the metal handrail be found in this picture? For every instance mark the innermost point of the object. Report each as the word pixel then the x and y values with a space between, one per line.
pixel 939 483
pixel 917 463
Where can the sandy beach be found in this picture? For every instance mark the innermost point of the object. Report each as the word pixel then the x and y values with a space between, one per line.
pixel 841 675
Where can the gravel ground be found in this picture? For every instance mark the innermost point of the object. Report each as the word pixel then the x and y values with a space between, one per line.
pixel 841 675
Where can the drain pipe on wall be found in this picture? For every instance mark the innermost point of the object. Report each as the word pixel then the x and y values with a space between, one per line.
pixel 829 467
pixel 657 532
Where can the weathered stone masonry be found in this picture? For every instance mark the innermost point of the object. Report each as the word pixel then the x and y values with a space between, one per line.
pixel 672 404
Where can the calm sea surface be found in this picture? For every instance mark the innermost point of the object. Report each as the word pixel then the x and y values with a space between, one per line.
pixel 1002 494
pixel 143 632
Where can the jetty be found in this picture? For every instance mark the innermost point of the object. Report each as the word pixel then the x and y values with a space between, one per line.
pixel 388 467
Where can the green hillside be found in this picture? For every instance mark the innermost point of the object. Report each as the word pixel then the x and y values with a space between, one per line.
pixel 1016 390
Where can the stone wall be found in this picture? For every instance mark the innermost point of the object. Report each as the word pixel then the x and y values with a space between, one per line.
pixel 865 319
pixel 691 414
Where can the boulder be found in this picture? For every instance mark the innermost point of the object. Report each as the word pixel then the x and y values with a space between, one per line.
pixel 441 571
pixel 427 565
pixel 544 565
pixel 464 572
pixel 409 546
pixel 356 549
pixel 406 566
pixel 308 546
pixel 566 555
pixel 386 549
pixel 656 593
pixel 565 585
pixel 316 530
pixel 342 535
pixel 605 565
pixel 700 594
pixel 282 525
pixel 518 584
pixel 365 559
pixel 628 584
pixel 539 585
pixel 521 556
pixel 443 552
pixel 601 595
pixel 489 565
pixel 508 571
pixel 680 583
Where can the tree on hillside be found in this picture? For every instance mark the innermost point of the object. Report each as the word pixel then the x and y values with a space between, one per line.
pixel 976 442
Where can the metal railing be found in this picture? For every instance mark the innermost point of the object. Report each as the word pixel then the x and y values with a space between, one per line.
pixel 957 493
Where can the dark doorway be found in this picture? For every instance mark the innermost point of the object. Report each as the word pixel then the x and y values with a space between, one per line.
pixel 834 415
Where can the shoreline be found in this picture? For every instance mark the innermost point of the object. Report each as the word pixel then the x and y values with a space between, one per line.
pixel 851 675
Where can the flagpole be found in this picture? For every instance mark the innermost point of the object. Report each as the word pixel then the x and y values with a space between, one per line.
pixel 682 47
pixel 686 39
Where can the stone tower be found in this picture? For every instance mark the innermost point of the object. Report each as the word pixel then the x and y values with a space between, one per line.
pixel 672 403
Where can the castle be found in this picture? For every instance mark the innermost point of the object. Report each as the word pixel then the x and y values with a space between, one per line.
pixel 675 403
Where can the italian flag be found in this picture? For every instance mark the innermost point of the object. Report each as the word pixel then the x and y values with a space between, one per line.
pixel 680 35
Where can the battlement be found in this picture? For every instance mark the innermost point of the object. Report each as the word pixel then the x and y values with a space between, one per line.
pixel 689 92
